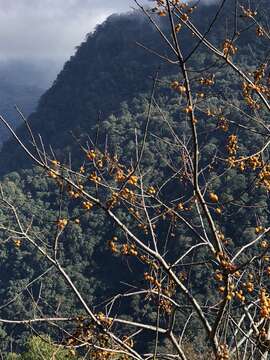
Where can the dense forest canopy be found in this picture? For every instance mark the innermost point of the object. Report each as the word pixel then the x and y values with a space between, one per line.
pixel 93 118
pixel 107 69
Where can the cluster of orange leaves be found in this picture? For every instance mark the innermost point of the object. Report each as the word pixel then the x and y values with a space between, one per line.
pixel 62 223
pixel 223 123
pixel 207 81
pixel 248 12
pixel 17 242
pixel 254 163
pixel 98 341
pixel 264 304
pixel 124 249
pixel 260 31
pixel 176 5
pixel 130 249
pixel 168 291
pixel 231 290
pixel 180 88
pixel 232 148
pixel 225 262
pixel 248 90
pixel 260 84
pixel 229 48
pixel 223 352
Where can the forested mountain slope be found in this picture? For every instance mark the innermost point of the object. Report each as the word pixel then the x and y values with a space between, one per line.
pixel 101 98
pixel 107 69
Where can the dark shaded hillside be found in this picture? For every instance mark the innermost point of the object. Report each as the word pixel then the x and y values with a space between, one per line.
pixel 112 76
pixel 25 97
pixel 22 82
pixel 109 68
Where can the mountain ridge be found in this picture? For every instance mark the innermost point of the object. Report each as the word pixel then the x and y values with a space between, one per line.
pixel 109 67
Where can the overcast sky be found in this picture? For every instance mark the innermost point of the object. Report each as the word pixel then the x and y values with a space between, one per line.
pixel 50 28
pixel 46 32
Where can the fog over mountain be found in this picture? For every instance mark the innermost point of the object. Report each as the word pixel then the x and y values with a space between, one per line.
pixel 44 33
pixel 37 37
pixel 50 29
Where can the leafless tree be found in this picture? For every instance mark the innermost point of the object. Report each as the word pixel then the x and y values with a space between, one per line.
pixel 236 324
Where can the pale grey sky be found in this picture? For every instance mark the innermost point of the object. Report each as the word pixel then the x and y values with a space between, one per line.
pixel 43 34
pixel 38 29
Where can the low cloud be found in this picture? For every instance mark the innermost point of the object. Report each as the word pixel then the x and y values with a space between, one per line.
pixel 51 29
pixel 39 29
pixel 44 33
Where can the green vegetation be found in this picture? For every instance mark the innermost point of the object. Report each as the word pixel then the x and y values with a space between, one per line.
pixel 100 100
pixel 40 348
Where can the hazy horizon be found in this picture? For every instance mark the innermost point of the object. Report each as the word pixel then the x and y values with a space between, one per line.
pixel 42 34
pixel 39 36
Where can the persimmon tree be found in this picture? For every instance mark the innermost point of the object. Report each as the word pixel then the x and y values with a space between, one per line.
pixel 175 220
